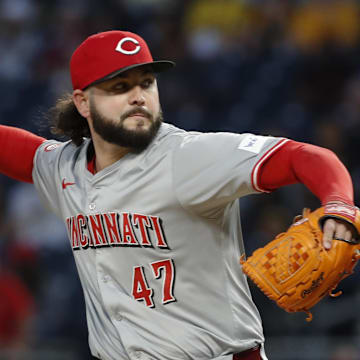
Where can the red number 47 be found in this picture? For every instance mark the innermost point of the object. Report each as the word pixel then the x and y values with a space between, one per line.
pixel 161 269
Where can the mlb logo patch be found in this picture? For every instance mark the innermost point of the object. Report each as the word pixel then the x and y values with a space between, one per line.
pixel 252 143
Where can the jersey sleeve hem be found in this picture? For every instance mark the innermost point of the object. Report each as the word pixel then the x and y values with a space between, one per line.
pixel 256 169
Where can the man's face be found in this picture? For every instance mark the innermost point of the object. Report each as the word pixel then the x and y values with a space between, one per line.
pixel 125 110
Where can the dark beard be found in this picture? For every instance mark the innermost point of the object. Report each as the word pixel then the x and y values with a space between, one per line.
pixel 136 140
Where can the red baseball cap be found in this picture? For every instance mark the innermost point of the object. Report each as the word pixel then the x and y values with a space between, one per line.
pixel 107 54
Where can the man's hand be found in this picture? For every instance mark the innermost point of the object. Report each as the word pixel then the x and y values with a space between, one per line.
pixel 340 222
pixel 336 229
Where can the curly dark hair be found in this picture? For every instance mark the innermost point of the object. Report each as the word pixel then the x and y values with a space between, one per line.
pixel 65 120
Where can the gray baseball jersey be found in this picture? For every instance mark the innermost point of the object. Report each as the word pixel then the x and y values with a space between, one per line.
pixel 156 238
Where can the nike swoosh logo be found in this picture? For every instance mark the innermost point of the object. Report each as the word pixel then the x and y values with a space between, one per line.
pixel 65 184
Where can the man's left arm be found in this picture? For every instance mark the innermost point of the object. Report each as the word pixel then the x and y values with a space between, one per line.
pixel 321 171
pixel 18 148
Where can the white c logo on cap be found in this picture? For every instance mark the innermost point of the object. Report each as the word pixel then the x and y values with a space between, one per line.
pixel 128 52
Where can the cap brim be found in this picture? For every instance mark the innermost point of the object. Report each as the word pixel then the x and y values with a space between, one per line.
pixel 156 67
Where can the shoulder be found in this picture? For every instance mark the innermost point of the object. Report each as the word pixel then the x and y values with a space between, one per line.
pixel 53 151
pixel 217 143
pixel 175 137
pixel 168 138
pixel 171 138
pixel 169 133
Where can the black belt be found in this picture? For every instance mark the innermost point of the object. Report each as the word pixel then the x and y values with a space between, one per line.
pixel 251 354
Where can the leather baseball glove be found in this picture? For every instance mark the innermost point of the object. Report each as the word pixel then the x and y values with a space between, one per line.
pixel 295 270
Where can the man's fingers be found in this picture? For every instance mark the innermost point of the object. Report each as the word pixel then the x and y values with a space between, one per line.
pixel 340 231
pixel 336 229
pixel 348 235
pixel 329 232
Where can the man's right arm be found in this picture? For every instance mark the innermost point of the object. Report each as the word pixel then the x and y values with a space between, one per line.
pixel 17 151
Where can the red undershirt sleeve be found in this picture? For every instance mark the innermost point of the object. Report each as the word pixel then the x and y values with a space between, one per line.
pixel 17 152
pixel 319 169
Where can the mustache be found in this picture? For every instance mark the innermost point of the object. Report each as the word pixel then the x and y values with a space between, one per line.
pixel 137 110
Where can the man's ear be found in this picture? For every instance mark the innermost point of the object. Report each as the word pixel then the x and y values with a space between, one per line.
pixel 81 101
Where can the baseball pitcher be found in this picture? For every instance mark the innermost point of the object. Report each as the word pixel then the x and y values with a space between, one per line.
pixel 151 210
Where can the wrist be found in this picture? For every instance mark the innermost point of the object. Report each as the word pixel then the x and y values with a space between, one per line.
pixel 341 210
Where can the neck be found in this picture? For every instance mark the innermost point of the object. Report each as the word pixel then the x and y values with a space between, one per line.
pixel 106 153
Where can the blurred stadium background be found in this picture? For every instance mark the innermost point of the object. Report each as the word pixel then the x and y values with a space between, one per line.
pixel 282 67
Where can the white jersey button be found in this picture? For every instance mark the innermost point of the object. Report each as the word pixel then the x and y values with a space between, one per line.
pixel 92 206
pixel 118 317
pixel 106 278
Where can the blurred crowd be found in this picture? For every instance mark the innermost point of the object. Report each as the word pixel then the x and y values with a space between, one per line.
pixel 279 67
